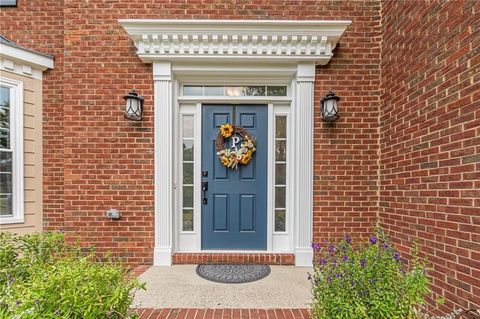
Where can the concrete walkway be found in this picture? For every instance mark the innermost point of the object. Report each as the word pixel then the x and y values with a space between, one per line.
pixel 180 287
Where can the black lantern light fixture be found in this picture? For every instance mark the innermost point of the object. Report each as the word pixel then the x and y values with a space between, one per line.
pixel 133 106
pixel 330 107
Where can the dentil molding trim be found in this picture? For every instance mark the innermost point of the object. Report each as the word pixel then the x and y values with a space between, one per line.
pixel 175 40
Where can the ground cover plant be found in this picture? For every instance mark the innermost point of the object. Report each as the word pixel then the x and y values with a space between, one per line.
pixel 367 280
pixel 43 277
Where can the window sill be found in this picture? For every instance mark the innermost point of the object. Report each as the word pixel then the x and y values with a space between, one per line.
pixel 11 220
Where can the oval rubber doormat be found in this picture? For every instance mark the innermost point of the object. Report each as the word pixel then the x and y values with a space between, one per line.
pixel 233 273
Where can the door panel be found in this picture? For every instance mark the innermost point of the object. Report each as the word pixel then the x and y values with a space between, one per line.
pixel 234 215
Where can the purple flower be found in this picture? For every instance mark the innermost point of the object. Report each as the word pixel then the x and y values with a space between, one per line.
pixel 322 261
pixel 345 258
pixel 363 262
pixel 329 279
pixel 316 246
pixel 396 256
pixel 385 245
pixel 373 240
pixel 331 249
pixel 348 238
pixel 339 275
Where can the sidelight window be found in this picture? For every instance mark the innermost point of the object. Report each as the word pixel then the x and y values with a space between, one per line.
pixel 280 173
pixel 187 129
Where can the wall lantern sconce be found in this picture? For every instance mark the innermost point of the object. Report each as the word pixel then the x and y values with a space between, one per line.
pixel 133 106
pixel 330 107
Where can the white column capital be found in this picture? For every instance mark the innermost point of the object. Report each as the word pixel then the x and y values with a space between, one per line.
pixel 306 72
pixel 162 70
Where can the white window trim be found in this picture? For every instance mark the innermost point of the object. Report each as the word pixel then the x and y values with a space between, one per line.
pixel 16 129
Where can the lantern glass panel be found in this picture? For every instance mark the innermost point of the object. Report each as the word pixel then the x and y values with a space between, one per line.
pixel 331 108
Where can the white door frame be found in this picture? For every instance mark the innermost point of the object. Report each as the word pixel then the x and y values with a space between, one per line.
pixel 233 51
pixel 190 241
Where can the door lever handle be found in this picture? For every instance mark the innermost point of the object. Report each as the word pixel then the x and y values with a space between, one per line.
pixel 204 191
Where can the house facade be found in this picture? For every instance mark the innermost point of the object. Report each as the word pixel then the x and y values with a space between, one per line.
pixel 404 152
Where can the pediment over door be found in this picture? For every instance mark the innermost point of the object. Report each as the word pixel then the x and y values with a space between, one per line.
pixel 252 40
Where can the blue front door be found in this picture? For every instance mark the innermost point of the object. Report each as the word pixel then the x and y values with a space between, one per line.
pixel 234 207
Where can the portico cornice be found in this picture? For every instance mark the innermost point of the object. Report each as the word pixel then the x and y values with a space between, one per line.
pixel 193 40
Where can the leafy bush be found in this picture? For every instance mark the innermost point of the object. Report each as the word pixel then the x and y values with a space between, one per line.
pixel 42 277
pixel 367 280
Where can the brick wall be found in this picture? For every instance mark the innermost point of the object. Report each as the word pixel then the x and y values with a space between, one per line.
pixel 38 24
pixel 346 151
pixel 430 139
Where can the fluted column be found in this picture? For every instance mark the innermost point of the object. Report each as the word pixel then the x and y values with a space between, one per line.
pixel 163 123
pixel 303 113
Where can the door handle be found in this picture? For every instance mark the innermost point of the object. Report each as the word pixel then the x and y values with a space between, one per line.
pixel 204 191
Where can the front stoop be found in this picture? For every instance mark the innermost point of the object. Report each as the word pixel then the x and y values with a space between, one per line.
pixel 210 258
pixel 223 313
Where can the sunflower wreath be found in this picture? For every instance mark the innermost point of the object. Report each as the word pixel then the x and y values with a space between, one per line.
pixel 231 157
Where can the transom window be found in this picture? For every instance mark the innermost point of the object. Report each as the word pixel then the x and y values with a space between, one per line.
pixel 250 90
pixel 11 151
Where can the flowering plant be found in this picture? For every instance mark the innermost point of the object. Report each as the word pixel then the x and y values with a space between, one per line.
pixel 231 157
pixel 367 280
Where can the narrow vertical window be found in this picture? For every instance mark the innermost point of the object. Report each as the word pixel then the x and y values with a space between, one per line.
pixel 11 151
pixel 187 171
pixel 6 155
pixel 280 172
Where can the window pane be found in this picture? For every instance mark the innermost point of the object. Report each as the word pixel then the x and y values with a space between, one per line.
pixel 187 220
pixel 5 162
pixel 188 126
pixel 280 220
pixel 280 126
pixel 255 91
pixel 280 174
pixel 234 91
pixel 188 173
pixel 214 90
pixel 280 150
pixel 4 139
pixel 187 196
pixel 4 117
pixel 188 150
pixel 280 197
pixel 4 96
pixel 192 90
pixel 5 183
pixel 6 205
pixel 277 91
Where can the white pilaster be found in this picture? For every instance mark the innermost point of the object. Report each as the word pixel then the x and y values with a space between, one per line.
pixel 163 122
pixel 304 163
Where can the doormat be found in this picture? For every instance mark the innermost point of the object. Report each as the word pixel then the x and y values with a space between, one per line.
pixel 233 273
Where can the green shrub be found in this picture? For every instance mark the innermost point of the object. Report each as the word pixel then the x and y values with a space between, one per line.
pixel 367 280
pixel 42 277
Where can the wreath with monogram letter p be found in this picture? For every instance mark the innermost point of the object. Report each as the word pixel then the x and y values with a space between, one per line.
pixel 233 156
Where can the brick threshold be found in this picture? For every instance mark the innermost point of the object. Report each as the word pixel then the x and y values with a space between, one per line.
pixel 196 313
pixel 234 258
